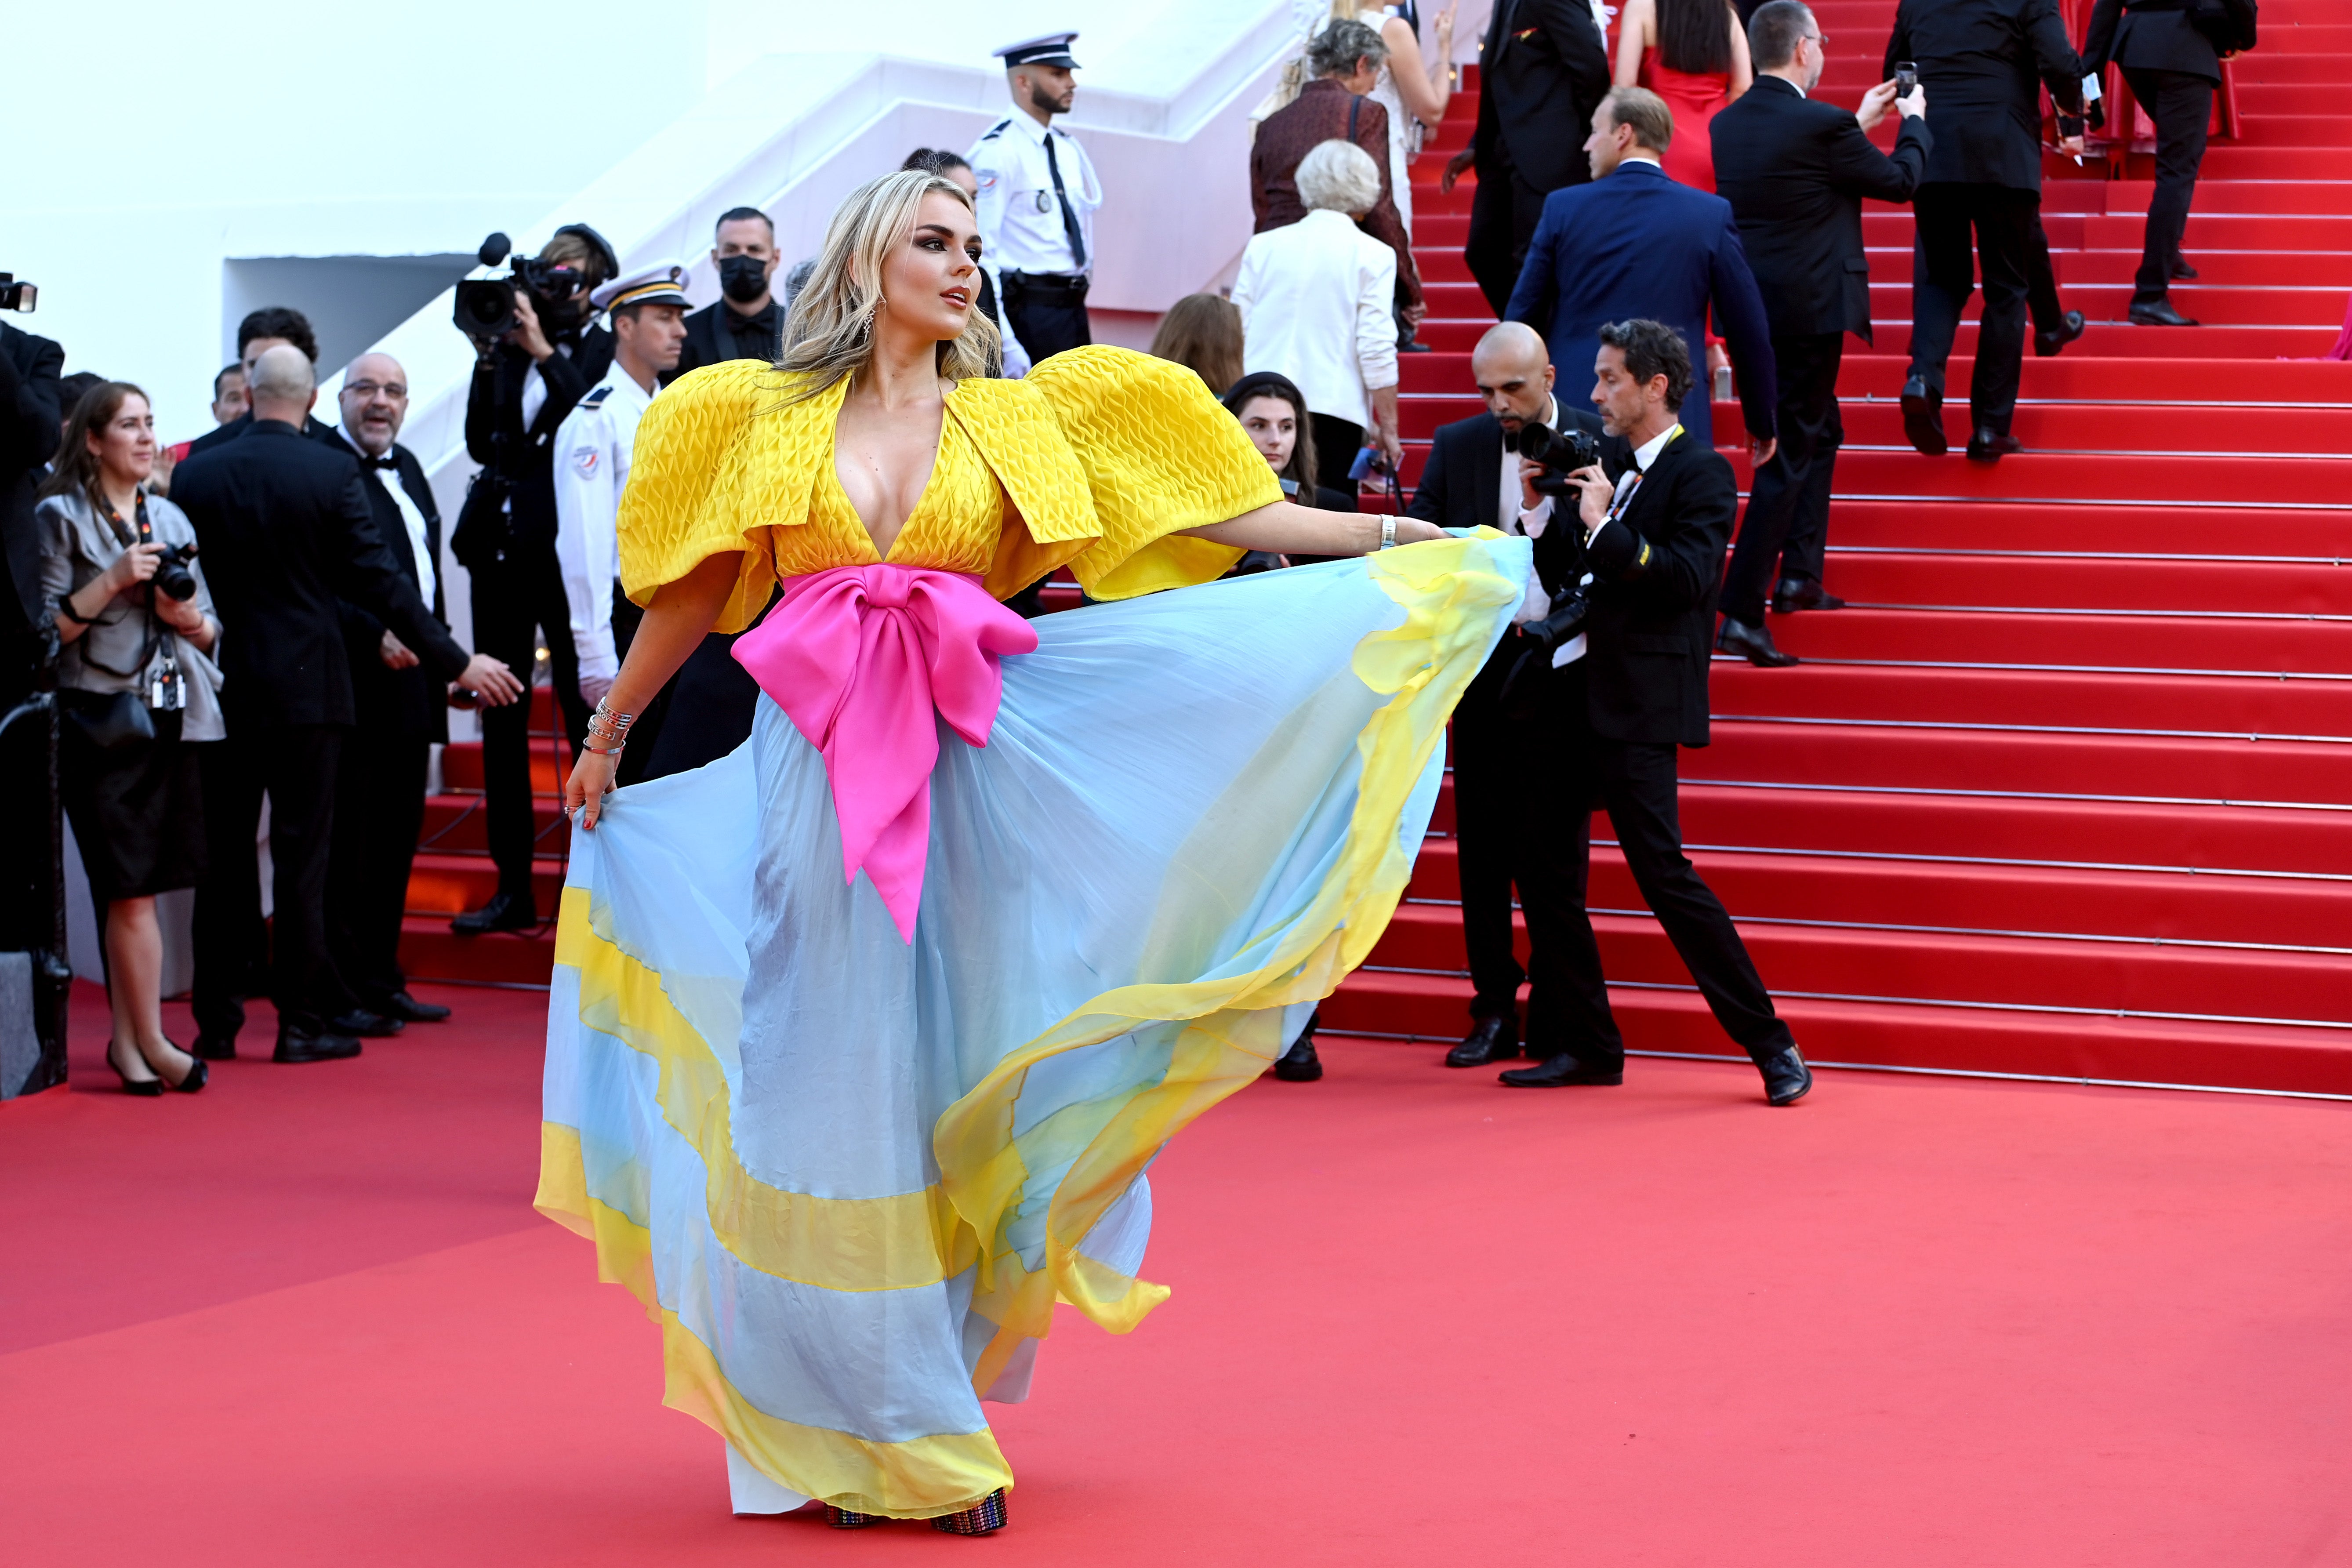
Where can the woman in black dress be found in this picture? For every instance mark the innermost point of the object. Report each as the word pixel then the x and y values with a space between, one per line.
pixel 140 693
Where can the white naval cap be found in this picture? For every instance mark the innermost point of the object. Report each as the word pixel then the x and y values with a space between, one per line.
pixel 1051 50
pixel 663 283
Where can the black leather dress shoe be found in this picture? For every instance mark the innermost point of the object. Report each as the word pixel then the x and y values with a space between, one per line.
pixel 1562 1071
pixel 1299 1063
pixel 1986 446
pixel 503 913
pixel 1753 644
pixel 1923 417
pixel 295 1049
pixel 365 1024
pixel 214 1047
pixel 1790 594
pixel 2047 344
pixel 2157 314
pixel 2181 272
pixel 1490 1040
pixel 408 1009
pixel 1787 1078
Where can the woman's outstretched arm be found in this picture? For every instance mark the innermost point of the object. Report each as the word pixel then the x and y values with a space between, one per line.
pixel 679 619
pixel 1288 529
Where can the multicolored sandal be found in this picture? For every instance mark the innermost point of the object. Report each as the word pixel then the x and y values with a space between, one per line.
pixel 848 1519
pixel 985 1517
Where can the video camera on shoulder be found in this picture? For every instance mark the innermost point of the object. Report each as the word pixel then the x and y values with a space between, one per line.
pixel 15 295
pixel 1561 452
pixel 486 306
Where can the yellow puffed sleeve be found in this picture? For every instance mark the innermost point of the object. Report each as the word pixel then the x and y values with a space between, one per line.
pixel 702 482
pixel 1159 455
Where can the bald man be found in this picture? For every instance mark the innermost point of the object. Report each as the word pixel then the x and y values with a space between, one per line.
pixel 1504 831
pixel 287 529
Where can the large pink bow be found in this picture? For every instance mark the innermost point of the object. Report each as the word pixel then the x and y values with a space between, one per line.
pixel 861 658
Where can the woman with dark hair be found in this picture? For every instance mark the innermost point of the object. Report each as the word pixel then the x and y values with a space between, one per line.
pixel 1202 332
pixel 1273 414
pixel 139 692
pixel 955 166
pixel 1693 54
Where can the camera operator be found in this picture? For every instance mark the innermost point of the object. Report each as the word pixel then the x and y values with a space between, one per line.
pixel 260 331
pixel 526 382
pixel 140 697
pixel 30 370
pixel 1653 543
pixel 1477 478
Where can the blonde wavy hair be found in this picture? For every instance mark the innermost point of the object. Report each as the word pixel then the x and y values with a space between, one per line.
pixel 829 334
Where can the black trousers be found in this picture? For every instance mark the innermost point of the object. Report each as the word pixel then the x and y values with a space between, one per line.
pixel 379 811
pixel 1942 271
pixel 1504 211
pixel 2042 302
pixel 1500 844
pixel 1048 318
pixel 2182 108
pixel 1337 442
pixel 1637 784
pixel 517 601
pixel 295 766
pixel 1786 527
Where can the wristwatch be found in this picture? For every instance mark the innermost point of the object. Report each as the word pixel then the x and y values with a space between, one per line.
pixel 1388 531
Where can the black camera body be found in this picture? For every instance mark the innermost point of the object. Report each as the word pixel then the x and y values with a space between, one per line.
pixel 172 577
pixel 1560 451
pixel 486 306
pixel 15 295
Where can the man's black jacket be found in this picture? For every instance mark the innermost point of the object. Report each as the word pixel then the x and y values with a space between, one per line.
pixel 1543 72
pixel 1983 63
pixel 30 368
pixel 408 703
pixel 519 461
pixel 1795 171
pixel 286 531
pixel 711 337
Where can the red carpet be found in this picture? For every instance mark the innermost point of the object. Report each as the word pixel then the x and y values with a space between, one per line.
pixel 307 1318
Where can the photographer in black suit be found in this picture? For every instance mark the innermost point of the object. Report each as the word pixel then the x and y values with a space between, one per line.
pixel 2174 68
pixel 1795 172
pixel 399 709
pixel 30 415
pixel 524 386
pixel 1474 480
pixel 286 531
pixel 1542 72
pixel 1978 60
pixel 1621 702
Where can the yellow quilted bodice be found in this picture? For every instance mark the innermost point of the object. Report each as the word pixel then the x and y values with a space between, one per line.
pixel 1096 460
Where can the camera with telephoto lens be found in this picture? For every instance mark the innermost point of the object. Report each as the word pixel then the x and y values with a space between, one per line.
pixel 1562 452
pixel 172 577
pixel 15 296
pixel 486 306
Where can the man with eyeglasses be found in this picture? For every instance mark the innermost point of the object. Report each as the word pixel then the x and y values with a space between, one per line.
pixel 1795 171
pixel 400 711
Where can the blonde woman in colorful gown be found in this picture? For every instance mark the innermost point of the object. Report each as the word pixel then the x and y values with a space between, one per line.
pixel 862 1038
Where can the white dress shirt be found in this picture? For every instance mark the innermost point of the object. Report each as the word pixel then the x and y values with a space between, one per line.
pixel 1020 217
pixel 420 545
pixel 593 449
pixel 1316 299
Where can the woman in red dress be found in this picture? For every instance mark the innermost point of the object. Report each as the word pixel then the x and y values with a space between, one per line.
pixel 1693 54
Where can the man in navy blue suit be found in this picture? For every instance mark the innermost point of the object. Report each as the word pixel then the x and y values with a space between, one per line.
pixel 1635 244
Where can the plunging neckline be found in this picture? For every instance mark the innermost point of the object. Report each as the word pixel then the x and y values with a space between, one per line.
pixel 938 444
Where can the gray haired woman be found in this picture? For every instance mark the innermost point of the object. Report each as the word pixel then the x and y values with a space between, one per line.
pixel 139 692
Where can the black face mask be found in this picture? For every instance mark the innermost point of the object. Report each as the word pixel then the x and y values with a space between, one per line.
pixel 742 278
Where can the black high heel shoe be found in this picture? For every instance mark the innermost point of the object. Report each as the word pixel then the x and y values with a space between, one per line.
pixel 199 1072
pixel 145 1088
pixel 985 1517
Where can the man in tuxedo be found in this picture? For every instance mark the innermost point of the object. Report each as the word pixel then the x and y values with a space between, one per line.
pixel 1502 744
pixel 260 331
pixel 524 386
pixel 1653 541
pixel 1634 243
pixel 1542 72
pixel 398 708
pixel 2173 70
pixel 287 529
pixel 747 322
pixel 30 415
pixel 1795 172
pixel 1978 60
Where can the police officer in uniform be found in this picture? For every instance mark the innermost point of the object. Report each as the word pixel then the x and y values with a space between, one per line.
pixel 1038 194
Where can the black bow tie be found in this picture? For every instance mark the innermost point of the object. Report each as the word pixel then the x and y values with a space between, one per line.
pixel 386 461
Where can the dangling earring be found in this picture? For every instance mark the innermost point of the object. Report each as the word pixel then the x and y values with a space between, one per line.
pixel 865 322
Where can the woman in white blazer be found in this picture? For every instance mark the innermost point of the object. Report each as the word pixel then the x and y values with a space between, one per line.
pixel 1316 299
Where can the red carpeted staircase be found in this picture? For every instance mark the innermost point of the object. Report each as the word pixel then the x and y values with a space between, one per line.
pixel 2067 790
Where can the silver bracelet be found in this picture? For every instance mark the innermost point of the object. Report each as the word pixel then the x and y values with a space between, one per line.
pixel 1388 531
